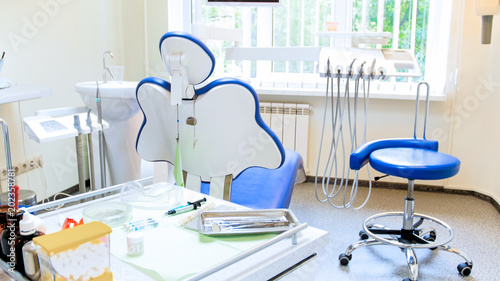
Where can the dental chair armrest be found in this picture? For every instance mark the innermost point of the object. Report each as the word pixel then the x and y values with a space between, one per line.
pixel 361 155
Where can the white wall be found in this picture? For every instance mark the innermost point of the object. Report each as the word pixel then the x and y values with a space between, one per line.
pixel 58 43
pixel 476 131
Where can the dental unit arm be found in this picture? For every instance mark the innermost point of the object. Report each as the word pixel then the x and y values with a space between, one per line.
pixel 486 9
pixel 353 63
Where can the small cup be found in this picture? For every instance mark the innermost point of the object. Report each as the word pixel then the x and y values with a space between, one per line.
pixel 117 72
pixel 332 26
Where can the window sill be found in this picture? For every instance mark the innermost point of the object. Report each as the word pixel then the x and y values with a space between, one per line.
pixel 314 92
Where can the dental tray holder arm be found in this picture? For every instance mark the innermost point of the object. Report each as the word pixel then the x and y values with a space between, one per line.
pixel 178 78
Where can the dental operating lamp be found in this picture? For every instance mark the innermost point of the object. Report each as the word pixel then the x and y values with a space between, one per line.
pixel 486 9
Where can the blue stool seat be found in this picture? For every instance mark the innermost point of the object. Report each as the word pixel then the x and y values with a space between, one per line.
pixel 261 188
pixel 414 163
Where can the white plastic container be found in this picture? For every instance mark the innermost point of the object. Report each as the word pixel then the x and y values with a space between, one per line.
pixel 135 244
pixel 79 253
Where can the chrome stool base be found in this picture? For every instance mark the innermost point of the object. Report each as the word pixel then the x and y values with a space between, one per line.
pixel 408 238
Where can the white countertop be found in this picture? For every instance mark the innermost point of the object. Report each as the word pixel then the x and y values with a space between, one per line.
pixel 261 265
pixel 20 93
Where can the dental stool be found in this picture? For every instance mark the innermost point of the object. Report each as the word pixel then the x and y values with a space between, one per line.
pixel 412 159
pixel 226 149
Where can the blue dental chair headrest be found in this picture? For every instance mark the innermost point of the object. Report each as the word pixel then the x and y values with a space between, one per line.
pixel 198 61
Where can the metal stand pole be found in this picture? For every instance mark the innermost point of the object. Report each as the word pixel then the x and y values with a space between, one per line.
pixel 79 154
pixel 91 161
pixel 8 159
pixel 91 152
pixel 102 157
pixel 80 163
pixel 101 138
pixel 409 208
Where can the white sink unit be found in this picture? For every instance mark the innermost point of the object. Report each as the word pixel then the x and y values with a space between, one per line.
pixel 120 110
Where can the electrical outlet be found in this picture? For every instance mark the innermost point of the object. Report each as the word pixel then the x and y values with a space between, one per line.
pixel 17 169
pixel 39 161
pixel 35 162
pixel 23 167
pixel 31 164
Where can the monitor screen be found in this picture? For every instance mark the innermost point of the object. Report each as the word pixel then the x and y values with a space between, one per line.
pixel 243 2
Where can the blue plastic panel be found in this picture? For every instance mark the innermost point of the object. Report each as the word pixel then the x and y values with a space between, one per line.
pixel 261 188
pixel 414 163
pixel 359 157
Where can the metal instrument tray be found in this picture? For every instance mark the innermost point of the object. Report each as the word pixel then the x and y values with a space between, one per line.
pixel 249 221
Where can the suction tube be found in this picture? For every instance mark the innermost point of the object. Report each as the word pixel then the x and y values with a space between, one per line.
pixel 333 163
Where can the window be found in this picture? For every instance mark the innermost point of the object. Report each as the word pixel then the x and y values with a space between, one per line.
pixel 295 23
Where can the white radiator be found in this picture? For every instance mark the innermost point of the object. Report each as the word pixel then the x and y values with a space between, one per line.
pixel 290 122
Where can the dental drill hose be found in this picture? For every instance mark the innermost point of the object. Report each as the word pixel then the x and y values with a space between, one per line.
pixel 337 117
pixel 91 152
pixel 101 138
pixel 79 154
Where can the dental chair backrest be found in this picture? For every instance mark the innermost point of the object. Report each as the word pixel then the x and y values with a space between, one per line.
pixel 218 126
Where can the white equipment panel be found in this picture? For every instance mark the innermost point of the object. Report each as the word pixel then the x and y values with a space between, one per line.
pixel 45 128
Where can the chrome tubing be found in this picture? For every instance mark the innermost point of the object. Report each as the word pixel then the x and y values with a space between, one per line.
pixel 102 154
pixel 91 152
pixel 412 261
pixel 426 109
pixel 105 68
pixel 8 159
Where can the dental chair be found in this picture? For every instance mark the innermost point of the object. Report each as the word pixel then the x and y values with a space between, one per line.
pixel 412 159
pixel 226 149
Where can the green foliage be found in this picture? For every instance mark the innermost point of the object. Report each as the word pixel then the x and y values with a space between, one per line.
pixel 405 24
pixel 295 23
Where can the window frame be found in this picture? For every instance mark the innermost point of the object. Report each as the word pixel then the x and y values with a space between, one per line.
pixel 442 73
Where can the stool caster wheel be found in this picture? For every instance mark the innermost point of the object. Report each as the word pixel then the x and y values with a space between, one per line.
pixel 431 237
pixel 362 235
pixel 464 269
pixel 344 259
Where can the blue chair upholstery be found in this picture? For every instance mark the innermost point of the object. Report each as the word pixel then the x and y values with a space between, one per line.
pixel 414 163
pixel 360 156
pixel 261 188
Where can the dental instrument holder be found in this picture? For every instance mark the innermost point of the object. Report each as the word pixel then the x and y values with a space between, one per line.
pixel 102 154
pixel 79 154
pixel 91 151
pixel 386 63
